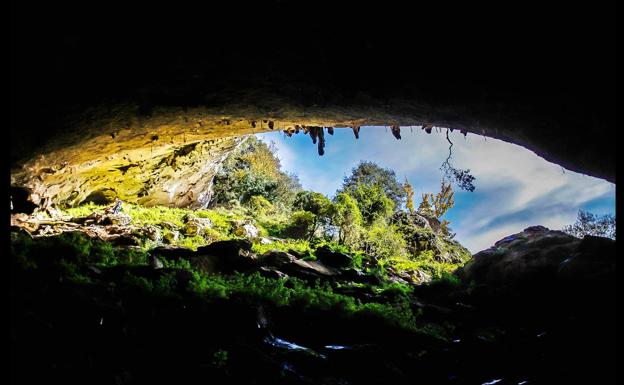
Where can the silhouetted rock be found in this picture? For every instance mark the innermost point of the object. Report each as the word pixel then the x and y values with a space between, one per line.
pixel 226 256
pixel 593 261
pixel 290 265
pixel 173 252
pixel 276 258
pixel 228 247
pixel 538 255
pixel 333 258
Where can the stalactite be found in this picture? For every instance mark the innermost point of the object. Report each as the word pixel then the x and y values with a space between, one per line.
pixel 321 143
pixel 396 131
pixel 313 134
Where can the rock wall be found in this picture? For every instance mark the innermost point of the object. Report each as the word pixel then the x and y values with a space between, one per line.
pixel 144 172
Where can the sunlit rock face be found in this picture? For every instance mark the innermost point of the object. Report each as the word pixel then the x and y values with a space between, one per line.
pixel 174 175
pixel 167 155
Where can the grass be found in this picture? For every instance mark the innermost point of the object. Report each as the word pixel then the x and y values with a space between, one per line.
pixel 163 217
pixel 298 245
pixel 70 254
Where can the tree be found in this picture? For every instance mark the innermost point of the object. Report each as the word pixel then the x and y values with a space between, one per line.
pixel 369 173
pixel 302 225
pixel 373 202
pixel 385 241
pixel 347 217
pixel 409 194
pixel 317 204
pixel 592 224
pixel 253 169
pixel 437 205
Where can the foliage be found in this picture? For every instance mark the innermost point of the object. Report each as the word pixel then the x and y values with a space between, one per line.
pixel 384 241
pixel 318 205
pixel 253 169
pixel 302 225
pixel 299 246
pixel 592 224
pixel 346 215
pixel 260 205
pixel 409 196
pixel 373 203
pixel 371 174
pixel 437 205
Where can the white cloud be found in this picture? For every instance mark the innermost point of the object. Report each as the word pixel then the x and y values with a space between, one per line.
pixel 515 187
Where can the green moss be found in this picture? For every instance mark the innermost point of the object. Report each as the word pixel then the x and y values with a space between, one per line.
pixel 298 245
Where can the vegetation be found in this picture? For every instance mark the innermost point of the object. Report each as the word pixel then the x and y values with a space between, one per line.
pixel 253 170
pixel 70 255
pixel 371 174
pixel 592 224
pixel 371 217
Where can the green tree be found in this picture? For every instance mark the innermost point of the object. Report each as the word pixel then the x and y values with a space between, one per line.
pixel 592 224
pixel 436 205
pixel 370 174
pixel 318 205
pixel 409 196
pixel 373 203
pixel 347 217
pixel 301 225
pixel 253 169
pixel 385 241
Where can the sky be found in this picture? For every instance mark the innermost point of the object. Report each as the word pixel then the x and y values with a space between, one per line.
pixel 515 188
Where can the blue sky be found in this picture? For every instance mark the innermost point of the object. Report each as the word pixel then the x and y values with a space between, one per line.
pixel 514 187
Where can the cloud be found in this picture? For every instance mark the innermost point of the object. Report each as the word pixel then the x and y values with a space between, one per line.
pixel 515 187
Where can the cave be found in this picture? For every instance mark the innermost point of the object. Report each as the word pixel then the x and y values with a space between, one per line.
pixel 159 234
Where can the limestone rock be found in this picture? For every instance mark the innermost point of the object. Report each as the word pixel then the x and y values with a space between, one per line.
pixel 195 226
pixel 247 230
pixel 171 236
pixel 151 232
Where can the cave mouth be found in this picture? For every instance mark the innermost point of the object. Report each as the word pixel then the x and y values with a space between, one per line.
pixel 302 252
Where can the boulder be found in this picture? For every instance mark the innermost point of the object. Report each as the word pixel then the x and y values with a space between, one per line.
pixel 534 255
pixel 195 226
pixel 358 276
pixel 276 258
pixel 289 264
pixel 171 236
pixel 172 252
pixel 155 262
pixel 309 269
pixel 247 231
pixel 271 272
pixel 333 258
pixel 119 219
pixel 593 261
pixel 227 256
pixel 227 247
pixel 168 226
pixel 151 232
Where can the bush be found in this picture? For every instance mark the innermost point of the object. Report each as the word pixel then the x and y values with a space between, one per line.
pixel 301 225
pixel 384 241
